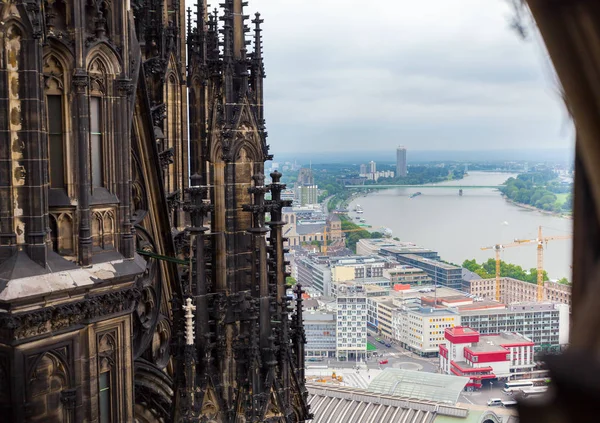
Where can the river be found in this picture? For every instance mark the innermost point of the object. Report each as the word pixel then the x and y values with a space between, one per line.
pixel 458 226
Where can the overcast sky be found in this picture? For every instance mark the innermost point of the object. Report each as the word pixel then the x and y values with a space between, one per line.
pixel 427 74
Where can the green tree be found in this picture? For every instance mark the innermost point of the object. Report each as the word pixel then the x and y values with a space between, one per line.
pixel 291 281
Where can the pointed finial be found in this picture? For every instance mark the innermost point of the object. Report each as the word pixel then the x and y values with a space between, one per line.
pixel 189 23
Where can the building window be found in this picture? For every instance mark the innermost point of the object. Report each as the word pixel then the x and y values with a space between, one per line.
pixel 56 143
pixel 105 405
pixel 96 148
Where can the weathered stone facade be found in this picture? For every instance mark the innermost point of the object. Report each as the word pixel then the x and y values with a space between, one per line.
pixel 99 225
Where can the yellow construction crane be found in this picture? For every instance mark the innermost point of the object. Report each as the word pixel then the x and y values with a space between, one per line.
pixel 324 248
pixel 497 249
pixel 541 241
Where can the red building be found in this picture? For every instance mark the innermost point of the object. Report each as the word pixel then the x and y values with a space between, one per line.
pixel 484 357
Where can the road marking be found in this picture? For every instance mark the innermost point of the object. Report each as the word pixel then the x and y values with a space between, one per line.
pixel 469 400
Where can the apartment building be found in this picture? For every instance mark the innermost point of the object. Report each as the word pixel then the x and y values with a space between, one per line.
pixel 351 331
pixel 382 309
pixel 514 290
pixel 421 329
pixel 546 324
pixel 320 329
pixel 441 273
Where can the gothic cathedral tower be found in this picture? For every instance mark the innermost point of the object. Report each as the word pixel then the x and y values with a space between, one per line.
pixel 242 312
pixel 117 303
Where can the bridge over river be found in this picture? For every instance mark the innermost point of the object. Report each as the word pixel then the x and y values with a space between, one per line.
pixel 459 187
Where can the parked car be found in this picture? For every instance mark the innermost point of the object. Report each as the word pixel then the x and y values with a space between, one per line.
pixel 383 362
pixel 388 345
pixel 494 402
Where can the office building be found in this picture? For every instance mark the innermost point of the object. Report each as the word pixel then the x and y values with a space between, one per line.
pixel 484 357
pixel 305 177
pixel 351 333
pixel 421 329
pixel 546 324
pixel 307 195
pixel 407 275
pixel 401 168
pixel 320 329
pixel 441 273
pixel 374 285
pixel 357 267
pixel 363 169
pixel 372 167
pixel 514 290
pixel 314 273
pixel 402 248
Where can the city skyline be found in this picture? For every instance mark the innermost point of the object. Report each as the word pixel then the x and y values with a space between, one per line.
pixel 418 77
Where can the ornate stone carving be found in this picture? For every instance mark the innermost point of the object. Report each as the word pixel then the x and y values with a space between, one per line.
pixel 52 319
pixel 80 81
pixel 166 157
pixel 125 87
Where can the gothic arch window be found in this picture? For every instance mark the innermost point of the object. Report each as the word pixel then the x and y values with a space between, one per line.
pixel 56 106
pixel 47 380
pixel 173 132
pixel 54 233
pixel 106 378
pixel 103 67
pixel 98 79
pixel 97 228
pixel 65 234
pixel 103 229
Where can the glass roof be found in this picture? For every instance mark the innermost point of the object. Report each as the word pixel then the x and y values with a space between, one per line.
pixel 419 385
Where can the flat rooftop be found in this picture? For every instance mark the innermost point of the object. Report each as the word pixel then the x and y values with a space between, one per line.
pixel 462 331
pixel 407 249
pixel 505 338
pixel 485 347
pixel 512 309
pixel 482 305
pixel 432 262
pixel 414 292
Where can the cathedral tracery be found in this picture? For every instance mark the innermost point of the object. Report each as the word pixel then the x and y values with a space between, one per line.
pixel 110 194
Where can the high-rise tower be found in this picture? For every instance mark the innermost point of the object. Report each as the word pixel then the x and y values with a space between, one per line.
pixel 401 161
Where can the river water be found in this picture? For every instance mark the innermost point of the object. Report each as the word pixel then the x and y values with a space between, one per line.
pixel 458 226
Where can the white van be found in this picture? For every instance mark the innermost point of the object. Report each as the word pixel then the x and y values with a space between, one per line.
pixel 493 402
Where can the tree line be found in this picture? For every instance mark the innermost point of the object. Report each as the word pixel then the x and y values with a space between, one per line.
pixel 352 238
pixel 539 189
pixel 487 270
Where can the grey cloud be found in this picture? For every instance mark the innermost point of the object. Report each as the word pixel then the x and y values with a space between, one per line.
pixel 433 74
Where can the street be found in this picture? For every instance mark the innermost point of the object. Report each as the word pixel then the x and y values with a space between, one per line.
pixel 396 356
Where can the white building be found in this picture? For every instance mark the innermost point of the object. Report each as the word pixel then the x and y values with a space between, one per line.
pixel 421 329
pixel 320 329
pixel 351 333
pixel 485 357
